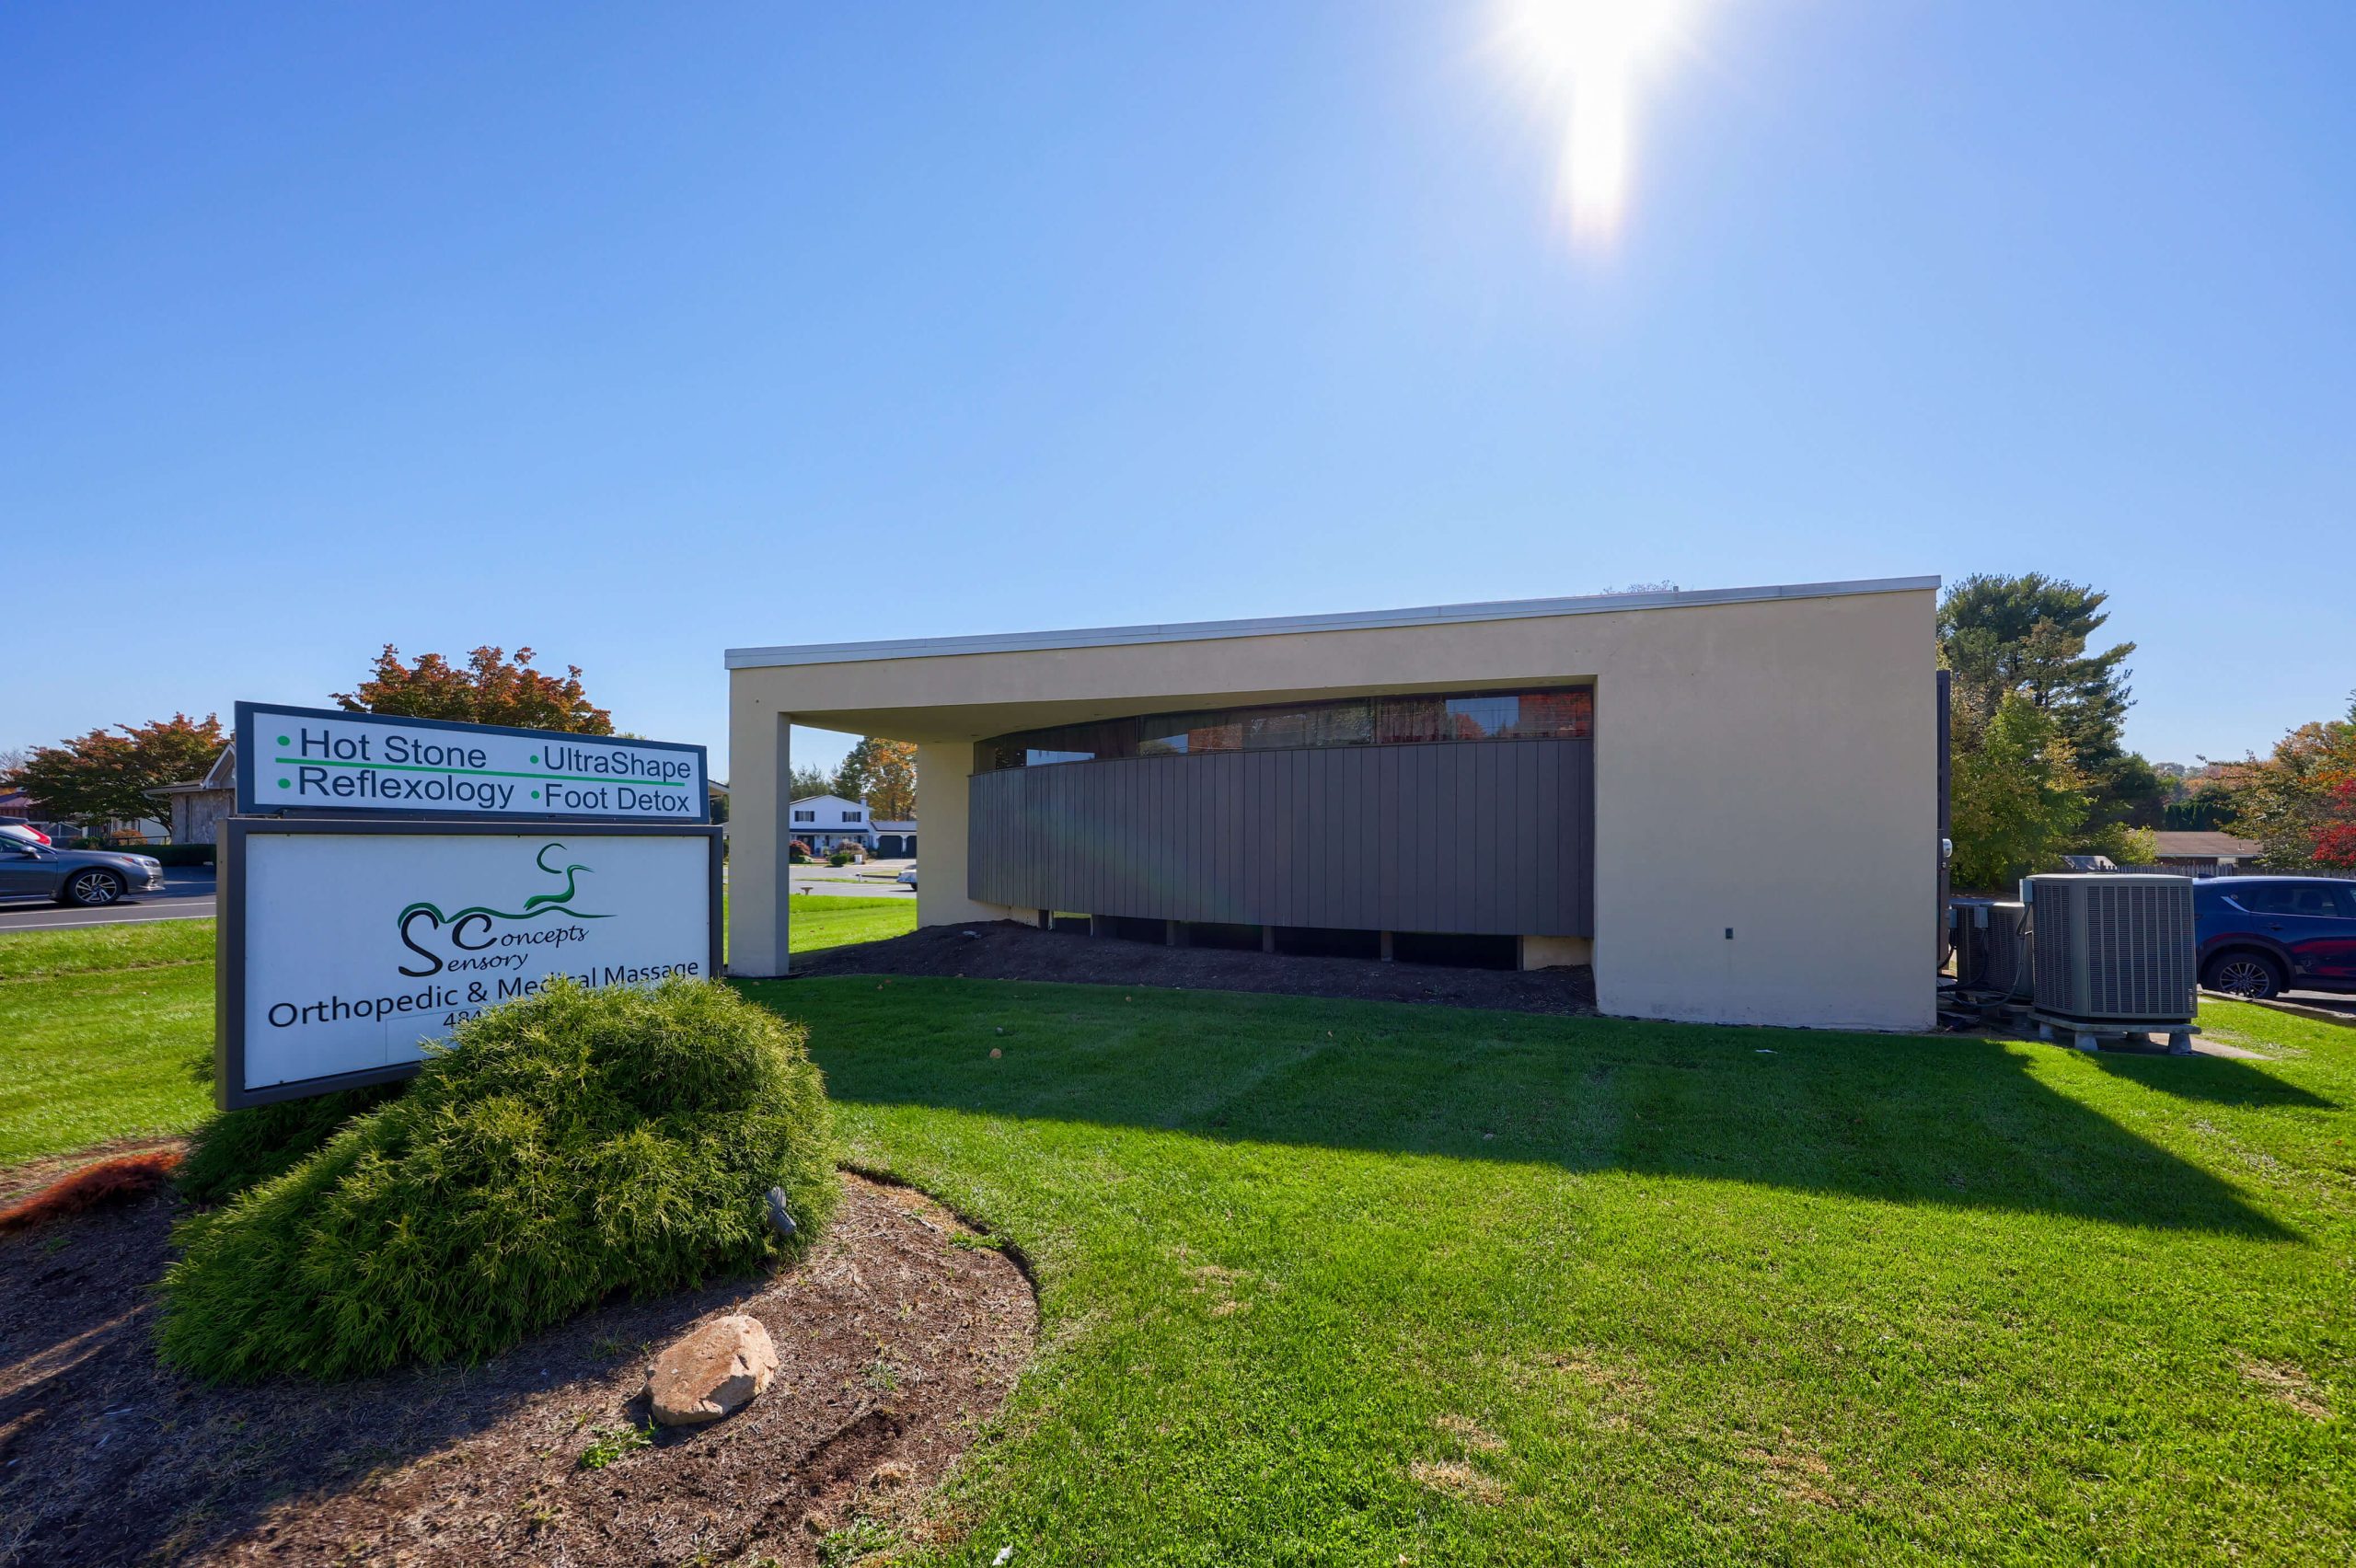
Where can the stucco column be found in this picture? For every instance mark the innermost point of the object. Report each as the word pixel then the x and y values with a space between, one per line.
pixel 760 768
pixel 942 806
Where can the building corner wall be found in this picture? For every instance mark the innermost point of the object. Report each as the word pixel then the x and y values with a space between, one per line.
pixel 1767 818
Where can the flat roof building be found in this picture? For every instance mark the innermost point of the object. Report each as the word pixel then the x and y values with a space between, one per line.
pixel 1725 800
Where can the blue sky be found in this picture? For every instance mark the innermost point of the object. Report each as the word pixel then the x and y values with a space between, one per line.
pixel 636 332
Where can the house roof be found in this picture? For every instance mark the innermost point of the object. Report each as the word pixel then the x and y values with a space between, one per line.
pixel 2205 845
pixel 222 775
pixel 1195 631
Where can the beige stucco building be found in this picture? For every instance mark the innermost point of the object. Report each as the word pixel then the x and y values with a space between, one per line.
pixel 1725 800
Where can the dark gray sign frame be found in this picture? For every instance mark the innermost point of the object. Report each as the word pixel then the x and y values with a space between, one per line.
pixel 229 991
pixel 248 804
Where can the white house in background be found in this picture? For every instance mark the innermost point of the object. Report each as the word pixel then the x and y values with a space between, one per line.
pixel 824 822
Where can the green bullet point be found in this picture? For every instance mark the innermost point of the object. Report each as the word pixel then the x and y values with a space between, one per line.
pixel 283 741
pixel 535 794
pixel 536 756
pixel 286 783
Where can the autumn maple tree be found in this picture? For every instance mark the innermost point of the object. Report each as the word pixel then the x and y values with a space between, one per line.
pixel 882 773
pixel 489 688
pixel 105 775
pixel 2300 802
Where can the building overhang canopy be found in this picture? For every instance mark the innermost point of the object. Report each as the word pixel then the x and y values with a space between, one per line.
pixel 950 689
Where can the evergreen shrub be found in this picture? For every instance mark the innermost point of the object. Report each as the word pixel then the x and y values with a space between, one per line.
pixel 565 1146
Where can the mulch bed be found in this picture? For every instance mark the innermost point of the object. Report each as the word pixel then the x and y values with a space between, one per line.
pixel 19 1181
pixel 1003 949
pixel 897 1338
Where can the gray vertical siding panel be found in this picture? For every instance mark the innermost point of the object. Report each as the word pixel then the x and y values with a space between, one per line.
pixel 1547 824
pixel 1477 791
pixel 1415 841
pixel 1317 783
pixel 1427 827
pixel 1511 889
pixel 1527 806
pixel 1306 778
pixel 1387 787
pixel 1226 895
pixel 1330 784
pixel 1262 880
pixel 1581 761
pixel 1342 889
pixel 1479 836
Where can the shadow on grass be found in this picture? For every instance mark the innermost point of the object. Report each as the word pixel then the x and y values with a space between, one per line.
pixel 2215 1080
pixel 1955 1121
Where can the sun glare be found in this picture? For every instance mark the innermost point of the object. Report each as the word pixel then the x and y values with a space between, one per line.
pixel 1588 58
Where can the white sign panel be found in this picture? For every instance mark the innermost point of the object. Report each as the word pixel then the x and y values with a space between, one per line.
pixel 349 947
pixel 310 760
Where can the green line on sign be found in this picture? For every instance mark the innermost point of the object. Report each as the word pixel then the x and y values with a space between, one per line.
pixel 477 772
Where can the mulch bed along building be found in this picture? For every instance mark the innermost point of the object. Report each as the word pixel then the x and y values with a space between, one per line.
pixel 1003 949
pixel 897 1337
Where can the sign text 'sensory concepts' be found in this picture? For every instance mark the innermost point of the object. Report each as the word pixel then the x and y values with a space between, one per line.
pixel 348 946
pixel 309 760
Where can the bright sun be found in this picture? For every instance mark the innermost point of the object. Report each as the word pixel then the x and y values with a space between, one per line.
pixel 1591 55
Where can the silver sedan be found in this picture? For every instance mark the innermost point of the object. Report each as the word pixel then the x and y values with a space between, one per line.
pixel 87 879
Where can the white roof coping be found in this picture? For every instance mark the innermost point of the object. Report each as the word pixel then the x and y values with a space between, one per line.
pixel 1357 620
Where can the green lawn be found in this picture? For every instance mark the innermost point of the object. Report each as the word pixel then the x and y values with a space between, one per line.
pixel 90 1053
pixel 1356 1283
pixel 1348 1283
pixel 824 920
pixel 106 1032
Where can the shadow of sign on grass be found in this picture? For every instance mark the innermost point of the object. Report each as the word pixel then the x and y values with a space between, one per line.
pixel 1953 1120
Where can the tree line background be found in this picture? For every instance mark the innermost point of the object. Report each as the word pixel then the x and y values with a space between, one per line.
pixel 2040 768
pixel 104 776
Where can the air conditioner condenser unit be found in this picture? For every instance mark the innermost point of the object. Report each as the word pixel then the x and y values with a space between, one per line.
pixel 2112 952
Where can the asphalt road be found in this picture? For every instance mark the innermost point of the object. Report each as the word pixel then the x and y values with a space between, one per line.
pixel 851 881
pixel 186 896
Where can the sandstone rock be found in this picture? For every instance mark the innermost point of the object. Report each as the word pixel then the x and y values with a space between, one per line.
pixel 711 1372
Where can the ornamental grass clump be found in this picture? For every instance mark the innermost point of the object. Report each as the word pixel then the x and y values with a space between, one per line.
pixel 566 1147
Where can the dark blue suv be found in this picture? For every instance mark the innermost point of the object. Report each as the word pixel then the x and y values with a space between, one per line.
pixel 2261 935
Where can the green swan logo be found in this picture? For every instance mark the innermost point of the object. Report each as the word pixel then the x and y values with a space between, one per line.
pixel 482 915
pixel 541 860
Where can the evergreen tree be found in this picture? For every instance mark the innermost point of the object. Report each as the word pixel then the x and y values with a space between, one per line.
pixel 2018 802
pixel 2029 635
